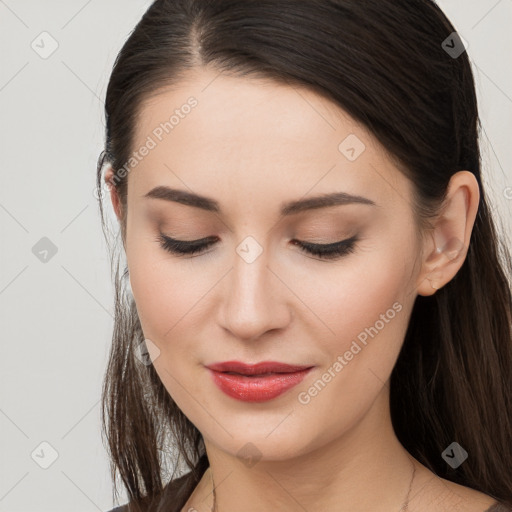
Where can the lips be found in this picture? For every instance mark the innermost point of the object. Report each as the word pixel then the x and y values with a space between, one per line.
pixel 256 382
pixel 255 369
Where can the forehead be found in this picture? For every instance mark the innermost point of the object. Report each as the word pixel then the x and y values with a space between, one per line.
pixel 256 112
pixel 213 132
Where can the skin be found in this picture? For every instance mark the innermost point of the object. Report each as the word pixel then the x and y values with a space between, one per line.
pixel 252 144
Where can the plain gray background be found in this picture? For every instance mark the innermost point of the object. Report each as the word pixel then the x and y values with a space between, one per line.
pixel 56 316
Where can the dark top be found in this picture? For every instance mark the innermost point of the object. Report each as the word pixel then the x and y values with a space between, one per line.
pixel 497 507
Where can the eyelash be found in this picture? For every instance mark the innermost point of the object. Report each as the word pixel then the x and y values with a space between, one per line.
pixel 332 251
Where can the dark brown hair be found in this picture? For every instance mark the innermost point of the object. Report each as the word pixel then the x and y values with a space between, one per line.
pixel 383 62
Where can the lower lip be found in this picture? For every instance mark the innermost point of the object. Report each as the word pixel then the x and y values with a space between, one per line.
pixel 257 389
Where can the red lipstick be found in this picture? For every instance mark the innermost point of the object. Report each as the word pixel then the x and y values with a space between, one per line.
pixel 256 382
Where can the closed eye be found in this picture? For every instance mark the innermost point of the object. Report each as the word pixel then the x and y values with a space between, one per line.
pixel 324 251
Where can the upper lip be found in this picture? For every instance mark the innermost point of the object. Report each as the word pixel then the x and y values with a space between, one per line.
pixel 256 369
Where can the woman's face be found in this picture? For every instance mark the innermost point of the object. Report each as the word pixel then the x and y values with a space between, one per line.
pixel 252 147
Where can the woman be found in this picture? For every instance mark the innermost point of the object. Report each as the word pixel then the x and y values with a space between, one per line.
pixel 315 313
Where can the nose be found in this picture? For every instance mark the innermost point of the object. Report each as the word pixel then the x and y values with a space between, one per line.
pixel 255 300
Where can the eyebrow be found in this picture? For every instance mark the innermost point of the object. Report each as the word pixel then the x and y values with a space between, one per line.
pixel 288 208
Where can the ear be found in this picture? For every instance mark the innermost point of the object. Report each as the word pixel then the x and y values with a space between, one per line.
pixel 114 196
pixel 445 248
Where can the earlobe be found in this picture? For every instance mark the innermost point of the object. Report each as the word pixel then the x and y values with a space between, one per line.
pixel 441 266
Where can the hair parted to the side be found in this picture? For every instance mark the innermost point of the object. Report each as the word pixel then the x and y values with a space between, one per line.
pixel 383 63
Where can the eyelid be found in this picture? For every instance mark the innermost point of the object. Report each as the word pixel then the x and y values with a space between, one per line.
pixel 323 252
pixel 184 248
pixel 330 251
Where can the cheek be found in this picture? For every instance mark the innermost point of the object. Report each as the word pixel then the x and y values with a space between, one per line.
pixel 369 289
pixel 166 300
pixel 367 307
pixel 162 289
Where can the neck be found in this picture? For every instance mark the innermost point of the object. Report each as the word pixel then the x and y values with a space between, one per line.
pixel 365 469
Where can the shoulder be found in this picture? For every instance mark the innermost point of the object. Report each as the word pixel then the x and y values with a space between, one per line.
pixel 442 495
pixel 122 508
pixel 472 500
